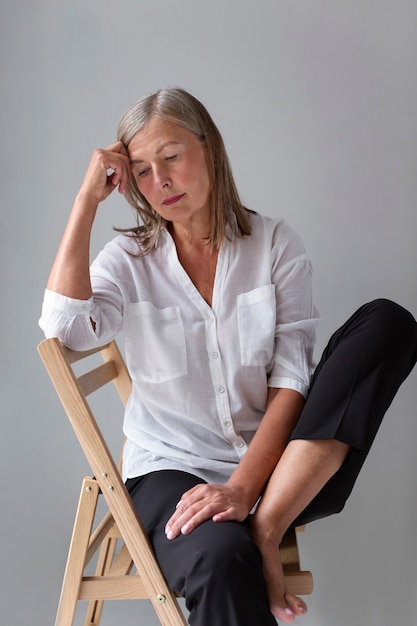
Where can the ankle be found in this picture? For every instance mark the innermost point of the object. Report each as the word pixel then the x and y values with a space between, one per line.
pixel 266 533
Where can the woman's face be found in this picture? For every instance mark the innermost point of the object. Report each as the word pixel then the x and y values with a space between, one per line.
pixel 170 168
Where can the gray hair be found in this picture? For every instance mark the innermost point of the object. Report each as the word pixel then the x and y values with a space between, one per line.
pixel 177 106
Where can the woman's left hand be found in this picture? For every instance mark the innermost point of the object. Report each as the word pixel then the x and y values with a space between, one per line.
pixel 220 503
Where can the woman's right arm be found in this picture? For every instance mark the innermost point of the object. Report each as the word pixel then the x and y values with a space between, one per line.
pixel 70 274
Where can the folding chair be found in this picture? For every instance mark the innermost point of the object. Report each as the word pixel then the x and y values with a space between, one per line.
pixel 126 567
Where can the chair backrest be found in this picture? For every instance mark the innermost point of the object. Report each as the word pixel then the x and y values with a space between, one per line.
pixel 73 391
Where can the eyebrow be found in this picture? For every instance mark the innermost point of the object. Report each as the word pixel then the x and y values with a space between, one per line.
pixel 158 150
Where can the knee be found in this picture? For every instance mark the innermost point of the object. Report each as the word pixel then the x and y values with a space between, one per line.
pixel 231 555
pixel 393 323
pixel 233 547
pixel 225 584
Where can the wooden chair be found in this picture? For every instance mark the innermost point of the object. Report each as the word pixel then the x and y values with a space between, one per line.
pixel 125 567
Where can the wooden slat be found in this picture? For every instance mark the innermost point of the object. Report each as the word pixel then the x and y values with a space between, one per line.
pixel 123 381
pixel 112 588
pixel 73 356
pixel 97 377
pixel 300 583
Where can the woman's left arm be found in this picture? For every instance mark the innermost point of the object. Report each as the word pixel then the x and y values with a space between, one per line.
pixel 235 499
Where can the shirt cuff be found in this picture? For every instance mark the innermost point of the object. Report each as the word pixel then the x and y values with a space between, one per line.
pixel 289 383
pixel 72 306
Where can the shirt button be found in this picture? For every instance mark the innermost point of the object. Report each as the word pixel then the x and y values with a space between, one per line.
pixel 228 424
pixel 241 444
pixel 215 355
pixel 86 306
pixel 221 389
pixel 211 320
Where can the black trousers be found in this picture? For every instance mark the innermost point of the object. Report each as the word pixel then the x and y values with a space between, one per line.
pixel 218 568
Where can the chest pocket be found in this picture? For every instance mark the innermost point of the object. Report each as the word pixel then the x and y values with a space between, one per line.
pixel 155 343
pixel 256 317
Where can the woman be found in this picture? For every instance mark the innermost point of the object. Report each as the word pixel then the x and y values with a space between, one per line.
pixel 216 307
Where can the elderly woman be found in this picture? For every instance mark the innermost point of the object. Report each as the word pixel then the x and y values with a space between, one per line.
pixel 231 436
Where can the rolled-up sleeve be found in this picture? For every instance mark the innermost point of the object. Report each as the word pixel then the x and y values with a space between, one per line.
pixel 82 324
pixel 296 321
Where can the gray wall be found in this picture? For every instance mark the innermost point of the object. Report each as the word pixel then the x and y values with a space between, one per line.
pixel 317 102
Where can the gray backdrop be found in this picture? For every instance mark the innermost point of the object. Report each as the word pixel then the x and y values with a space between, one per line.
pixel 317 103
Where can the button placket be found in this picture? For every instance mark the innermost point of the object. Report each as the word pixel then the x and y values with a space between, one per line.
pixel 218 380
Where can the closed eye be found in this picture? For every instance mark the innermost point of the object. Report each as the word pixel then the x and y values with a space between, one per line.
pixel 142 172
pixel 171 158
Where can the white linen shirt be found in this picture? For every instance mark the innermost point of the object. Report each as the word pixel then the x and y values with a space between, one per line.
pixel 200 374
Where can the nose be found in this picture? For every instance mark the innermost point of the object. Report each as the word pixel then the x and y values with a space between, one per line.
pixel 161 176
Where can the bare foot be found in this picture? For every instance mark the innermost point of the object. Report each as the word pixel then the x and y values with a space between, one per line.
pixel 283 604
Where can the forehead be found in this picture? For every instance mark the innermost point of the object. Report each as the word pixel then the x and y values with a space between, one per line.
pixel 157 134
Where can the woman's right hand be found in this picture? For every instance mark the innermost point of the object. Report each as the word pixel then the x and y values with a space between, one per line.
pixel 70 274
pixel 109 168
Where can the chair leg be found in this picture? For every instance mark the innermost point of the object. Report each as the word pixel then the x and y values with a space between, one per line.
pixel 104 563
pixel 84 519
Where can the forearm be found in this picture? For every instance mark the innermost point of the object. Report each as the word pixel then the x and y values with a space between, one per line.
pixel 236 498
pixel 70 274
pixel 252 474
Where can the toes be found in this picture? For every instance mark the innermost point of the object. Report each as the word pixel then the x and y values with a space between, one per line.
pixel 296 604
pixel 295 607
pixel 283 615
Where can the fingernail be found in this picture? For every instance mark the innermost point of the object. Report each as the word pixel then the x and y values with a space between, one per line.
pixel 185 529
pixel 169 534
pixel 288 612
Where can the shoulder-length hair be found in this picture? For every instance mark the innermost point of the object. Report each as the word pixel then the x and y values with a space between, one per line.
pixel 179 107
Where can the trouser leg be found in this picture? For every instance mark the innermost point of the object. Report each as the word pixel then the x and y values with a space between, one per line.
pixel 360 372
pixel 217 567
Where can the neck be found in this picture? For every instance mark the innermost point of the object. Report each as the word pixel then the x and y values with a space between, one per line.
pixel 188 238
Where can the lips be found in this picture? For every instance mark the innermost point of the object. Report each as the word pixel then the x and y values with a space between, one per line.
pixel 172 199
